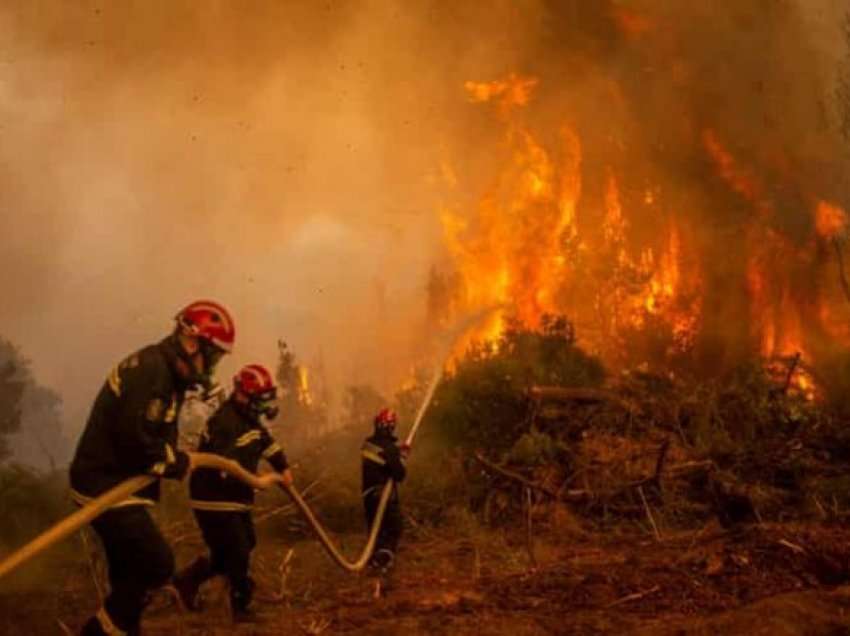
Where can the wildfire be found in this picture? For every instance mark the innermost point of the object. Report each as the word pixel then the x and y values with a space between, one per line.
pixel 522 247
pixel 548 236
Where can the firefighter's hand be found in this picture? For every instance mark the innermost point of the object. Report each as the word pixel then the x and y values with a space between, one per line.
pixel 286 477
pixel 267 480
pixel 405 449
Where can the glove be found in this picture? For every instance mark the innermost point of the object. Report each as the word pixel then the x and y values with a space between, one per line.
pixel 179 468
pixel 269 479
pixel 405 449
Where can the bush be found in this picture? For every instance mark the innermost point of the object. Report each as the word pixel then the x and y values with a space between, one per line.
pixel 484 403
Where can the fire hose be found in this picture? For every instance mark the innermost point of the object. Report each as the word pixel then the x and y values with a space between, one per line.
pixel 98 506
pixel 322 535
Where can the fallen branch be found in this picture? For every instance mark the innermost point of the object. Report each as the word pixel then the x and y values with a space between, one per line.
pixel 659 465
pixel 576 394
pixel 635 597
pixel 569 495
pixel 677 470
pixel 792 546
pixel 649 514
pixel 792 367
pixel 529 536
pixel 290 507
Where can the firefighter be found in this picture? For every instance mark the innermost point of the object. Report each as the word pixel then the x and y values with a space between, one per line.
pixel 222 505
pixel 132 430
pixel 383 460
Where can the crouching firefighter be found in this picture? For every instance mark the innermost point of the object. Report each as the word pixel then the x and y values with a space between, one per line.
pixel 132 430
pixel 383 460
pixel 222 504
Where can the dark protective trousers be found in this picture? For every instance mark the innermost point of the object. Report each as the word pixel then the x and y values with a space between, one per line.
pixel 230 538
pixel 391 527
pixel 139 561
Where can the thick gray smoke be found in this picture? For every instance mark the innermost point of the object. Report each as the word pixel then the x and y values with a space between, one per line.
pixel 283 157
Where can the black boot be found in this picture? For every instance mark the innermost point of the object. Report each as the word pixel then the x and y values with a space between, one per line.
pixel 382 561
pixel 240 601
pixel 188 581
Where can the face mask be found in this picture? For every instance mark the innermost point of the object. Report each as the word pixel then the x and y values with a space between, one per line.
pixel 264 405
pixel 211 356
pixel 270 411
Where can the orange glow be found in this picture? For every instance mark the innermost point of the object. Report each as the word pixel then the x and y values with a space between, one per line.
pixel 830 220
pixel 739 179
pixel 512 91
pixel 631 23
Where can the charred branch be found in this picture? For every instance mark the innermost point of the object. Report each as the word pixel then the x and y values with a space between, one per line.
pixel 580 395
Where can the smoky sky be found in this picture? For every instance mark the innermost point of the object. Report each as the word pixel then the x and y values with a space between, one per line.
pixel 284 157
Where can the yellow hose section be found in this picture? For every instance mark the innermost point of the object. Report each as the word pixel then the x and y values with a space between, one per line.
pixel 325 540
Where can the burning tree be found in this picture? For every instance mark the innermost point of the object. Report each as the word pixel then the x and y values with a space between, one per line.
pixel 304 411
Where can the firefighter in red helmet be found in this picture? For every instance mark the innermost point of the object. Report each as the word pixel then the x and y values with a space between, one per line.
pixel 222 505
pixel 382 461
pixel 132 430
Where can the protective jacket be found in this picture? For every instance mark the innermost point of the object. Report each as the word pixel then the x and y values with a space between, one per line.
pixel 381 461
pixel 235 433
pixel 132 427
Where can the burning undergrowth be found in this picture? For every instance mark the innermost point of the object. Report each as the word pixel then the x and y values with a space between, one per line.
pixel 538 424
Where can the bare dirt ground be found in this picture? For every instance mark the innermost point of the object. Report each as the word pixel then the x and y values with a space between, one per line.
pixel 761 579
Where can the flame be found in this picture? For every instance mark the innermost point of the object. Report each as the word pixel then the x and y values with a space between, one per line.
pixel 521 247
pixel 304 395
pixel 531 245
pixel 830 220
pixel 509 253
pixel 665 280
pixel 512 91
pixel 740 179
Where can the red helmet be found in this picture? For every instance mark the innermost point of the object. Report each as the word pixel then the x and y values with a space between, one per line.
pixel 385 419
pixel 258 385
pixel 207 320
pixel 255 381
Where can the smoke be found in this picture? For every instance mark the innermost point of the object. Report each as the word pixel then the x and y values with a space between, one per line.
pixel 284 158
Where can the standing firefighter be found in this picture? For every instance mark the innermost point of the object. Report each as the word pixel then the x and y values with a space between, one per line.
pixel 222 505
pixel 132 430
pixel 383 460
